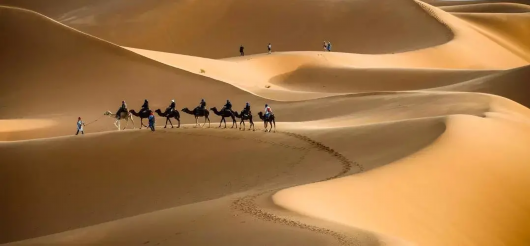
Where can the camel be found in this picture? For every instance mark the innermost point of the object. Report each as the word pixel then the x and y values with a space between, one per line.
pixel 123 115
pixel 175 114
pixel 265 121
pixel 198 113
pixel 244 117
pixel 142 115
pixel 223 114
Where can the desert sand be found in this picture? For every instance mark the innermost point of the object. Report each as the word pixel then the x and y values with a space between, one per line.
pixel 413 130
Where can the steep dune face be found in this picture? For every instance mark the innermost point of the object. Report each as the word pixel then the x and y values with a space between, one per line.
pixel 511 31
pixel 74 75
pixel 217 29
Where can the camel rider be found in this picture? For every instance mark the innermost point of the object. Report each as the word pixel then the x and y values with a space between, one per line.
pixel 246 110
pixel 123 108
pixel 145 106
pixel 227 106
pixel 268 111
pixel 171 107
pixel 202 105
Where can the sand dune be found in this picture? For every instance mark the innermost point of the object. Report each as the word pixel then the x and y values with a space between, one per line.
pixel 160 25
pixel 413 133
pixel 512 31
pixel 511 84
pixel 488 8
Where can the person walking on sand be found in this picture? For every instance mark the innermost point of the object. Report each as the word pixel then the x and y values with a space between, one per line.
pixel 152 121
pixel 80 125
pixel 325 46
pixel 329 46
pixel 241 50
pixel 270 48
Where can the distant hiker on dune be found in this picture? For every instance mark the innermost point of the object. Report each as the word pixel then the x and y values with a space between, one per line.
pixel 270 48
pixel 241 48
pixel 152 121
pixel 80 125
pixel 329 46
pixel 325 46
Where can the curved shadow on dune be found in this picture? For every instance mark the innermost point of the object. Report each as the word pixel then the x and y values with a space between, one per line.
pixel 353 80
pixel 512 84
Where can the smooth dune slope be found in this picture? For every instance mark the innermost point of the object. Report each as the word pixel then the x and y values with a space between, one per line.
pixel 196 174
pixel 217 29
pixel 464 189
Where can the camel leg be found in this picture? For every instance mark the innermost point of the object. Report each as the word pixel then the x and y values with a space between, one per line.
pixel 234 123
pixel 206 118
pixel 141 123
pixel 265 123
pixel 251 125
pixel 196 121
pixel 273 122
pixel 178 120
pixel 167 118
pixel 116 123
pixel 127 123
pixel 220 122
pixel 170 122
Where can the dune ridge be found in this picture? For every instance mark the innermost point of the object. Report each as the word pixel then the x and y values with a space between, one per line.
pixel 419 140
pixel 488 8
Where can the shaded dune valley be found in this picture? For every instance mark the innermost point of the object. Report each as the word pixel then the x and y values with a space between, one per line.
pixel 412 129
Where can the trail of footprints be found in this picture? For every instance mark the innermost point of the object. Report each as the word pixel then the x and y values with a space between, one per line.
pixel 247 204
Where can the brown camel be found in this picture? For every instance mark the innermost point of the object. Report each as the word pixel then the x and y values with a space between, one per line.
pixel 123 115
pixel 175 114
pixel 265 121
pixel 244 117
pixel 223 114
pixel 199 113
pixel 142 115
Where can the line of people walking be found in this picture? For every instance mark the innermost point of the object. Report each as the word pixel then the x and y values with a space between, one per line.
pixel 327 47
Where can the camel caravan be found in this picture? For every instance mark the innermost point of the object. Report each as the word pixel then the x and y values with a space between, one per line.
pixel 198 112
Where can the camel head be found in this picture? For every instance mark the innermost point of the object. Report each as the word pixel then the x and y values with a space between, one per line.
pixel 158 111
pixel 260 115
pixel 185 110
pixel 108 113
